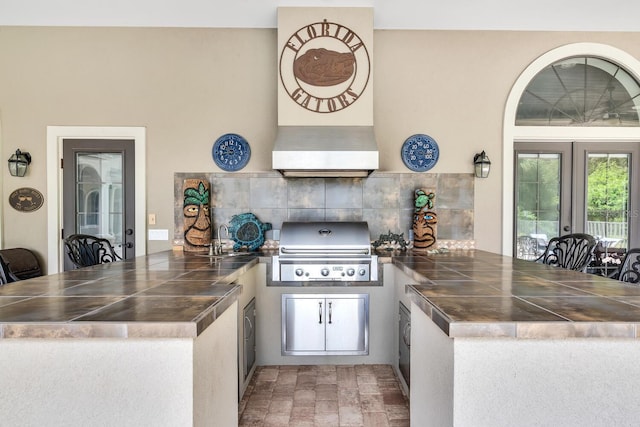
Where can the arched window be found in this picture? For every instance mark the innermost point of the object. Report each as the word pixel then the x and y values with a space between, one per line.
pixel 92 215
pixel 580 91
pixel 88 188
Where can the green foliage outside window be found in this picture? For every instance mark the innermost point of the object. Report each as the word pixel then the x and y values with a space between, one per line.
pixel 608 188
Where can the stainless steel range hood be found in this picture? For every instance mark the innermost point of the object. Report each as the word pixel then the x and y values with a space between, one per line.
pixel 325 151
pixel 325 93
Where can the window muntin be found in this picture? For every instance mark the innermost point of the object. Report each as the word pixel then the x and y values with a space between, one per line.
pixel 580 91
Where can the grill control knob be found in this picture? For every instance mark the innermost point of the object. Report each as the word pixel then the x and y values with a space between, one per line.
pixel 362 272
pixel 299 272
pixel 351 271
pixel 324 271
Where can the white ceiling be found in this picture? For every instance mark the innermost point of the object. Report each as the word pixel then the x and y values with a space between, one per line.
pixel 569 15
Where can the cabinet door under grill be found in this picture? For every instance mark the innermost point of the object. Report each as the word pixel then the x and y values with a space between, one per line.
pixel 317 324
pixel 345 324
pixel 304 324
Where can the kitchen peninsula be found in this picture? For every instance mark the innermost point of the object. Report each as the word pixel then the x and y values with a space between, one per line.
pixel 498 341
pixel 152 341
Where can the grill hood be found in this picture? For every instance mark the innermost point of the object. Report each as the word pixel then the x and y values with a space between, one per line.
pixel 325 151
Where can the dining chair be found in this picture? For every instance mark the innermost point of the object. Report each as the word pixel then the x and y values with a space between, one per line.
pixel 85 250
pixel 629 270
pixel 527 247
pixel 571 251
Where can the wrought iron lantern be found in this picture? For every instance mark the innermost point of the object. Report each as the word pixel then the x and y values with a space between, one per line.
pixel 18 163
pixel 482 165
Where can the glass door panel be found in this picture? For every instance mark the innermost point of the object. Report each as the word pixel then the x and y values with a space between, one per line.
pixel 540 207
pixel 607 204
pixel 99 196
pixel 607 177
pixel 607 207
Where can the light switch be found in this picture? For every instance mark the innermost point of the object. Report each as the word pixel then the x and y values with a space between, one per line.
pixel 152 219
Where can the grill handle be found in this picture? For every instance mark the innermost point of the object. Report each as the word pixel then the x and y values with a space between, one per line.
pixel 345 251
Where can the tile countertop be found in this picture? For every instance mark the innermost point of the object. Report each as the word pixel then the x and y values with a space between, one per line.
pixel 472 293
pixel 467 293
pixel 170 294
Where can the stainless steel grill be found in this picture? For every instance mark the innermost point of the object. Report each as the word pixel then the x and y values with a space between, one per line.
pixel 325 251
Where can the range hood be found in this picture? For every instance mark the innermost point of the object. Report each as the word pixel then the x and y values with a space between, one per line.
pixel 325 151
pixel 325 93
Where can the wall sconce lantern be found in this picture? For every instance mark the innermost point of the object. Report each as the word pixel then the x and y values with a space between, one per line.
pixel 482 165
pixel 18 163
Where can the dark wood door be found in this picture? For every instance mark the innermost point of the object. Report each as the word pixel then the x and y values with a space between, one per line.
pixel 99 191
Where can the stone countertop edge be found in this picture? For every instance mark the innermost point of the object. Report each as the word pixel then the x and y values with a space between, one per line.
pixel 467 328
pixel 115 329
pixel 514 329
pixel 130 329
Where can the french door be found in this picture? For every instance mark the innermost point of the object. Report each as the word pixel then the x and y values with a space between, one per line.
pixel 99 190
pixel 576 187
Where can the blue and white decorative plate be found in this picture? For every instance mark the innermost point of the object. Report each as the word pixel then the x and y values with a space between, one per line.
pixel 231 152
pixel 420 152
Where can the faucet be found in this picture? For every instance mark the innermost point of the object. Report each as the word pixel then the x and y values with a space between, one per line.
pixel 218 244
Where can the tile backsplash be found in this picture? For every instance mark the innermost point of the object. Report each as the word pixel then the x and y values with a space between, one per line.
pixel 384 200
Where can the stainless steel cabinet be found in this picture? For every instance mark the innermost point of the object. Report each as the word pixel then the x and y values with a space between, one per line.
pixel 249 356
pixel 318 324
pixel 404 334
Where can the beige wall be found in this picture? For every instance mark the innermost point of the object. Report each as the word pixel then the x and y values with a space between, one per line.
pixel 189 86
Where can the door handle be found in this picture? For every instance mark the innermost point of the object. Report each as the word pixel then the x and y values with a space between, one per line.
pixel 330 312
pixel 128 231
pixel 320 312
pixel 566 228
pixel 247 320
pixel 128 245
pixel 407 341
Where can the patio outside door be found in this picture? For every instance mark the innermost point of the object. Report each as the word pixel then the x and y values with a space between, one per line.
pixel 576 187
pixel 98 191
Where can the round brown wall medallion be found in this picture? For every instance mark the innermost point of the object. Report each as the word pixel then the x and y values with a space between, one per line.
pixel 26 199
pixel 324 67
